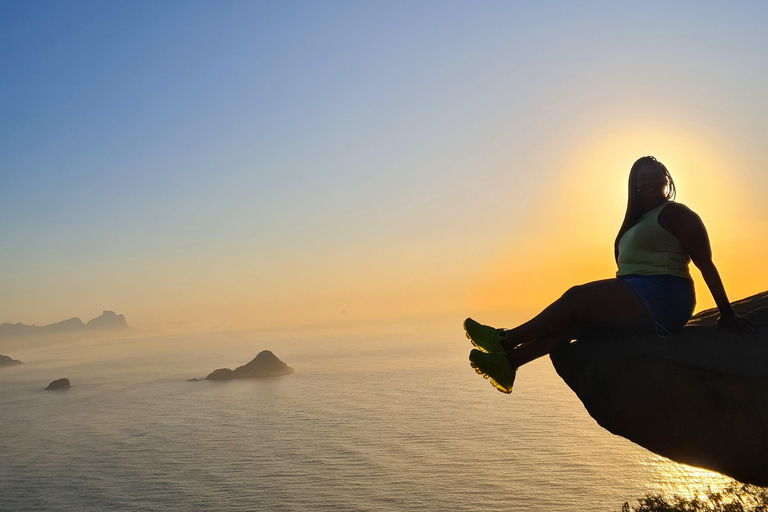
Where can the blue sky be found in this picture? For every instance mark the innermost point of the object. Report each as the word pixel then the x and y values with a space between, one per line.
pixel 181 160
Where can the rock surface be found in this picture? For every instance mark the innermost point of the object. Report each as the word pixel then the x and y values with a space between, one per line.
pixel 265 364
pixel 58 384
pixel 699 397
pixel 7 361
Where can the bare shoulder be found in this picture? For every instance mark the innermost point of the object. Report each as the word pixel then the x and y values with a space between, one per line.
pixel 679 212
pixel 681 219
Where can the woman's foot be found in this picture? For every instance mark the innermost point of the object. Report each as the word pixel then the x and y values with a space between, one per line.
pixel 484 337
pixel 494 367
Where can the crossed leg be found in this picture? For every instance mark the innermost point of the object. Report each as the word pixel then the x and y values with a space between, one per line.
pixel 610 304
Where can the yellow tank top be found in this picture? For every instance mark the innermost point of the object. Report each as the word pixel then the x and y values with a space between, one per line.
pixel 648 249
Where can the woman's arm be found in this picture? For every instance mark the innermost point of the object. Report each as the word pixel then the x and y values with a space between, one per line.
pixel 690 230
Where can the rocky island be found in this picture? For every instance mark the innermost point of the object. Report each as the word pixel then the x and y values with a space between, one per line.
pixel 58 384
pixel 699 397
pixel 265 364
pixel 7 361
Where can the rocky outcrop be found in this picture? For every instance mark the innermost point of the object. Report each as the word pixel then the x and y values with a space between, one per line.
pixel 7 361
pixel 265 364
pixel 108 320
pixel 58 384
pixel 699 397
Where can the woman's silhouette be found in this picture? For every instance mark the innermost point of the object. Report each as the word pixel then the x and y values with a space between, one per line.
pixel 651 294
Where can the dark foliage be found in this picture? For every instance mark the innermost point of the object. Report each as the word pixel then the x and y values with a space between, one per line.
pixel 734 498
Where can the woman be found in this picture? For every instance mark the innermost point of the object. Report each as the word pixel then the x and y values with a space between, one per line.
pixel 651 294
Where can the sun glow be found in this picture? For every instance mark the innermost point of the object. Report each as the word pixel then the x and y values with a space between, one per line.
pixel 568 239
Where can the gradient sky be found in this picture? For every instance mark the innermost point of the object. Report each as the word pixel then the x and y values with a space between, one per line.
pixel 215 165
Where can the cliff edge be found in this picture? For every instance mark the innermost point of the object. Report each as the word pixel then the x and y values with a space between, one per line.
pixel 699 397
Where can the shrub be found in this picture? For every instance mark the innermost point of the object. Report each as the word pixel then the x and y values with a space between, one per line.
pixel 734 498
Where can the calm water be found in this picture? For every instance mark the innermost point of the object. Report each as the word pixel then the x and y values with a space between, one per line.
pixel 366 423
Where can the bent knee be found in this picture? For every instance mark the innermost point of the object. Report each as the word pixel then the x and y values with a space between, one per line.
pixel 583 300
pixel 574 297
pixel 574 293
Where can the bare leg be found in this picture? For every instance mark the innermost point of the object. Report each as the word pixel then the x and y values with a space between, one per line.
pixel 610 303
pixel 530 350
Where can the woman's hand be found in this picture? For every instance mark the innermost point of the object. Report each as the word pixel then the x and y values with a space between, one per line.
pixel 737 324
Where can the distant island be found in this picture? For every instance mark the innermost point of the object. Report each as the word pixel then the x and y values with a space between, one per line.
pixel 58 385
pixel 265 364
pixel 7 361
pixel 108 321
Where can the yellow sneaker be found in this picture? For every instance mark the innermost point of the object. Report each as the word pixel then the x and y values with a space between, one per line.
pixel 484 337
pixel 495 367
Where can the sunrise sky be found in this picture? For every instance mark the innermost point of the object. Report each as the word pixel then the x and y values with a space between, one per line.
pixel 236 165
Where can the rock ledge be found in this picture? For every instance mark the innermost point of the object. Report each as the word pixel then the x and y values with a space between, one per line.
pixel 699 397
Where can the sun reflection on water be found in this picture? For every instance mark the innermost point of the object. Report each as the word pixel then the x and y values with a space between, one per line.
pixel 671 478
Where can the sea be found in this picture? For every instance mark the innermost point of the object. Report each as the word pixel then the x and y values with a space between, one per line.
pixel 368 422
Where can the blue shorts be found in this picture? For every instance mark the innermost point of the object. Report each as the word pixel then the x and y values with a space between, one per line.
pixel 670 300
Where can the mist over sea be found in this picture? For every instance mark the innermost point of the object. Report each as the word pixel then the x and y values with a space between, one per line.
pixel 373 422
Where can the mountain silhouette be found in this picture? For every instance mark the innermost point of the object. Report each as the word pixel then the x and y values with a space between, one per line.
pixel 108 321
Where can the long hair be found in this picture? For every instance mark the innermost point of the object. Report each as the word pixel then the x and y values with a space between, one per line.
pixel 634 204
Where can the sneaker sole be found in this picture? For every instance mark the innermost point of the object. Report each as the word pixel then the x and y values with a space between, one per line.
pixel 498 386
